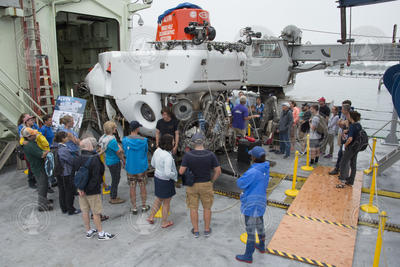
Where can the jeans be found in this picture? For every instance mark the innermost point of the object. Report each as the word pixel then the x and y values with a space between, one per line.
pixel 66 193
pixel 339 158
pixel 115 171
pixel 42 186
pixel 349 161
pixel 284 143
pixel 253 224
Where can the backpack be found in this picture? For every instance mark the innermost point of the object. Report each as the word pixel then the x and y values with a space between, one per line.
pixel 82 175
pixel 322 127
pixel 49 164
pixel 58 168
pixel 360 143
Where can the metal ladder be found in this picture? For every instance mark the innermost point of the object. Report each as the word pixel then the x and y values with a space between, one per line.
pixel 37 64
pixel 389 159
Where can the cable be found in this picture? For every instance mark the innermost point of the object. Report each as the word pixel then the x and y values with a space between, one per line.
pixel 337 33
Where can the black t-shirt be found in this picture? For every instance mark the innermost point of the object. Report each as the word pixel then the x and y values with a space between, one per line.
pixel 167 127
pixel 201 163
pixel 324 111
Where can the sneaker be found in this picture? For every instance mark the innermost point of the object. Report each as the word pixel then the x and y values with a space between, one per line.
pixel 334 172
pixel 105 236
pixel 328 156
pixel 91 233
pixel 285 157
pixel 50 201
pixel 207 233
pixel 145 208
pixel 195 234
pixel 116 200
pixel 134 211
pixel 76 211
pixel 43 209
pixel 272 150
pixel 33 186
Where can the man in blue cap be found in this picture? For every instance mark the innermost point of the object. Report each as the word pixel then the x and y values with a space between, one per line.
pixel 254 183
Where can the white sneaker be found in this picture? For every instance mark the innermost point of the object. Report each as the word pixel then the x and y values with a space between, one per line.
pixel 91 233
pixel 105 236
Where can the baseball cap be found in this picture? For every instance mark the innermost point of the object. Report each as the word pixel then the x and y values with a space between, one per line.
pixel 257 152
pixel 304 104
pixel 28 117
pixel 322 99
pixel 198 138
pixel 27 131
pixel 134 125
pixel 286 104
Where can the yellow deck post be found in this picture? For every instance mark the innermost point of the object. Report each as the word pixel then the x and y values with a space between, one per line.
pixel 370 208
pixel 369 170
pixel 293 192
pixel 307 167
pixel 378 247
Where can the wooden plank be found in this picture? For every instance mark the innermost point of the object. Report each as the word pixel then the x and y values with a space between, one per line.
pixel 319 198
pixel 317 241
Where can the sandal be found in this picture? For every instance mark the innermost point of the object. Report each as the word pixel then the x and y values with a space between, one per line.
pixel 170 223
pixel 340 186
pixel 150 221
pixel 102 217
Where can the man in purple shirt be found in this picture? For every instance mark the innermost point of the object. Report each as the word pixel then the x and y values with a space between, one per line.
pixel 240 115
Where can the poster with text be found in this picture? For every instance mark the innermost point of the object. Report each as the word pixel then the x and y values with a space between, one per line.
pixel 73 106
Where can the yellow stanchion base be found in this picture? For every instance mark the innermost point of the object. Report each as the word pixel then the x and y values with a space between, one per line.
pixel 106 192
pixel 307 168
pixel 367 171
pixel 369 208
pixel 291 192
pixel 159 213
pixel 26 171
pixel 243 238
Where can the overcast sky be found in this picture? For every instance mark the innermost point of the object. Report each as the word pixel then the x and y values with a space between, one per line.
pixel 228 16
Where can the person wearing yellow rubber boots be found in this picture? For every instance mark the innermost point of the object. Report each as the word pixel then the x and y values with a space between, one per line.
pixel 254 183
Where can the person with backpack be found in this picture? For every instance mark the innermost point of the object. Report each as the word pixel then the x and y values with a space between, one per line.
pixel 254 183
pixel 285 124
pixel 64 169
pixel 114 156
pixel 36 157
pixel 351 149
pixel 206 169
pixel 135 149
pixel 91 171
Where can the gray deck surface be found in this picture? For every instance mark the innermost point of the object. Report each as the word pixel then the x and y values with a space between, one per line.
pixel 56 239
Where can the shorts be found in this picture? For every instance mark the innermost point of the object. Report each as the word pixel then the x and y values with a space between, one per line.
pixel 91 203
pixel 241 132
pixel 314 143
pixel 140 178
pixel 202 191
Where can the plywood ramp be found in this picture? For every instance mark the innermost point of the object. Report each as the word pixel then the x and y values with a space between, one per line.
pixel 320 225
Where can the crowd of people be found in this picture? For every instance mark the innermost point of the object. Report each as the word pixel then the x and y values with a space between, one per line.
pixel 71 156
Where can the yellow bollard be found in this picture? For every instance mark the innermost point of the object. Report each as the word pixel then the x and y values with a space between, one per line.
pixel 307 167
pixel 370 208
pixel 293 192
pixel 248 130
pixel 243 238
pixel 378 247
pixel 106 189
pixel 369 170
pixel 159 213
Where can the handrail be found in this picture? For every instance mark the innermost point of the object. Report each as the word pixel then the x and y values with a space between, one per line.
pixel 22 102
pixel 20 89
